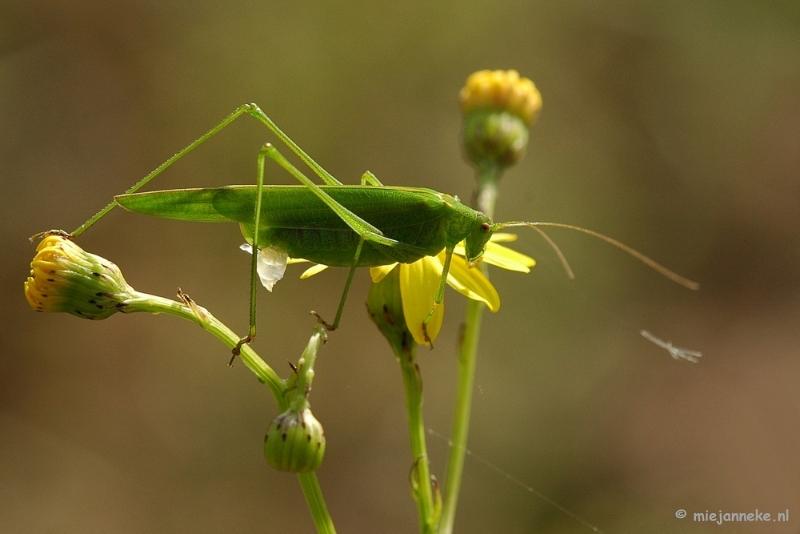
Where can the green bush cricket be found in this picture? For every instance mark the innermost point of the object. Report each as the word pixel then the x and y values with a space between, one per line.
pixel 334 224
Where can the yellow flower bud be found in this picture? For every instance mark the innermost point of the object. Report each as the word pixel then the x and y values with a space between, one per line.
pixel 498 108
pixel 501 90
pixel 65 278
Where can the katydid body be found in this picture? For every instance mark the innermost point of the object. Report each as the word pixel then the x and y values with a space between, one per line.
pixel 332 224
pixel 423 222
pixel 367 233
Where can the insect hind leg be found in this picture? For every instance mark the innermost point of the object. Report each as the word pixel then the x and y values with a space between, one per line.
pixel 246 108
pixel 370 179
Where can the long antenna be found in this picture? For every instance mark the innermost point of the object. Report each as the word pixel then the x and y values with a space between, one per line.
pixel 685 282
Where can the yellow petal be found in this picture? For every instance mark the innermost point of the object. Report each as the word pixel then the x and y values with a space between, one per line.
pixel 377 273
pixel 419 282
pixel 471 282
pixel 311 271
pixel 507 258
pixel 502 237
pixel 501 256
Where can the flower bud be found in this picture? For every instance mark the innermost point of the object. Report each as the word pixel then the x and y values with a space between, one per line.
pixel 498 108
pixel 295 442
pixel 65 278
pixel 385 308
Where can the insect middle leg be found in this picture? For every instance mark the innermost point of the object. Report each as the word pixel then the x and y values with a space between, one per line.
pixel 366 231
pixel 448 257
pixel 251 333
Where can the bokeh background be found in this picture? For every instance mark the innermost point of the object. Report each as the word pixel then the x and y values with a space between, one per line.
pixel 674 127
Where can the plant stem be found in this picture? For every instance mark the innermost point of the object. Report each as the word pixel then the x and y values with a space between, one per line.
pixel 486 196
pixel 305 366
pixel 316 503
pixel 420 474
pixel 189 310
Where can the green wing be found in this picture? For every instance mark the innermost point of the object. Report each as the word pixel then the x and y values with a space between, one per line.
pixel 196 205
pixel 290 206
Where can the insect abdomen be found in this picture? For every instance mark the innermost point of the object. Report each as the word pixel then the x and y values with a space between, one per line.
pixel 337 247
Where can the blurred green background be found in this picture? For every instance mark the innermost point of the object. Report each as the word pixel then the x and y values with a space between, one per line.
pixel 674 127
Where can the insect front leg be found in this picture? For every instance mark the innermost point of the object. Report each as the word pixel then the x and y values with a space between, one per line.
pixel 448 256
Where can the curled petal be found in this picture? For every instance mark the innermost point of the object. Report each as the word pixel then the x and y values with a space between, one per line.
pixel 311 271
pixel 471 282
pixel 419 282
pixel 501 256
pixel 503 237
pixel 378 273
pixel 507 258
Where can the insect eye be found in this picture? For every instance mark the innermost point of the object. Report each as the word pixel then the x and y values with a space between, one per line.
pixel 485 227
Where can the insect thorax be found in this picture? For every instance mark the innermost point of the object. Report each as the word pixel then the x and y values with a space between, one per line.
pixel 465 223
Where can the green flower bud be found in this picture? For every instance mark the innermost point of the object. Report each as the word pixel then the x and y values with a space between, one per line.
pixel 385 308
pixel 493 138
pixel 295 442
pixel 65 278
pixel 498 108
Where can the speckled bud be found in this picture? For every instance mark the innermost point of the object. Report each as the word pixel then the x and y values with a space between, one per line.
pixel 295 442
pixel 66 278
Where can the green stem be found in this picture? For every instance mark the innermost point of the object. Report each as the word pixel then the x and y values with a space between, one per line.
pixel 189 310
pixel 305 367
pixel 316 503
pixel 143 302
pixel 467 362
pixel 308 481
pixel 420 473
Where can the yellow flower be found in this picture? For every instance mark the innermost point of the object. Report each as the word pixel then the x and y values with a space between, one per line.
pixel 419 282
